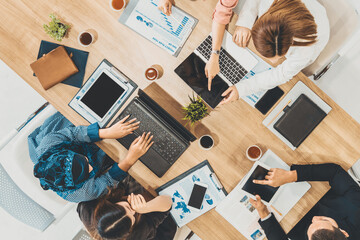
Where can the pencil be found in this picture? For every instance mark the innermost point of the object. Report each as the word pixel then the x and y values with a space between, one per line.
pixel 176 20
pixel 279 113
pixel 276 210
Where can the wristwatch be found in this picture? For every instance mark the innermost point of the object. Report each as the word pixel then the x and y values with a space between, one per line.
pixel 217 52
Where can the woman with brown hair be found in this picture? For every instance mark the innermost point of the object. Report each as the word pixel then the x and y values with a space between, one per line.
pixel 292 31
pixel 128 212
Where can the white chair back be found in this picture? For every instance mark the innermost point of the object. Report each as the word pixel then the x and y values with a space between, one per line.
pixel 344 21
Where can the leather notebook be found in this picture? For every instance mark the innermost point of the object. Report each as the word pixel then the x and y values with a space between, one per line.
pixel 54 67
pixel 299 120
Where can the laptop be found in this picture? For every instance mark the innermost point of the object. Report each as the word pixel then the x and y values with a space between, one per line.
pixel 235 63
pixel 170 138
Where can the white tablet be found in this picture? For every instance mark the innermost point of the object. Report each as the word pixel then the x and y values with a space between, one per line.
pixel 258 172
pixel 102 95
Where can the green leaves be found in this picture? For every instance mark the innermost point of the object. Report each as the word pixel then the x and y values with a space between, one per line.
pixel 196 110
pixel 56 29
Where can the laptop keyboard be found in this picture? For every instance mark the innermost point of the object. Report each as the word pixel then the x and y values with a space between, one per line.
pixel 165 143
pixel 229 67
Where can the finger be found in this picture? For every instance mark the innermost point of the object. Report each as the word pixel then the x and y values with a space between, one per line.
pixel 141 139
pixel 252 201
pixel 206 71
pixel 132 201
pixel 129 199
pixel 226 92
pixel 149 140
pixel 258 198
pixel 262 182
pixel 247 40
pixel 133 129
pixel 169 9
pixel 267 177
pixel 209 82
pixel 131 121
pixel 142 199
pixel 136 199
pixel 124 119
pixel 146 139
pixel 234 37
pixel 149 146
pixel 136 140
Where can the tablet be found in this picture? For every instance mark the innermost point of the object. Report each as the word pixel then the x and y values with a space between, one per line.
pixel 102 95
pixel 258 172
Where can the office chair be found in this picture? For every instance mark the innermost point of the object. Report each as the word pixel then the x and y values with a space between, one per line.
pixel 344 21
pixel 22 196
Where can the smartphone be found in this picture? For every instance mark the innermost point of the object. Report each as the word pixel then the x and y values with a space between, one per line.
pixel 197 196
pixel 269 100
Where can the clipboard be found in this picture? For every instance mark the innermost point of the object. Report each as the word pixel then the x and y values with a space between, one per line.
pixel 180 189
pixel 105 64
pixel 167 32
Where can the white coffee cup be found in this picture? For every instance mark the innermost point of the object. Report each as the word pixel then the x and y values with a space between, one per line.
pixel 256 148
pixel 114 9
pixel 92 38
pixel 202 138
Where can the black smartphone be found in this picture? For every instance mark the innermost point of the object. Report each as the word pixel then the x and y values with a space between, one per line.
pixel 269 99
pixel 197 196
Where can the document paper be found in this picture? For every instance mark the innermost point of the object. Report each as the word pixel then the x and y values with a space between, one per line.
pixel 180 193
pixel 167 32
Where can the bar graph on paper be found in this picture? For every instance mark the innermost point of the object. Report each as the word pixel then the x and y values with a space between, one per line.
pixel 168 32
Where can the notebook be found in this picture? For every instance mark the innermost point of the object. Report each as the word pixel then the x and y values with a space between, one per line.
pixel 299 120
pixel 79 57
pixel 54 67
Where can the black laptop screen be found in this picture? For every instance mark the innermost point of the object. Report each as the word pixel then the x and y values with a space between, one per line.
pixel 192 71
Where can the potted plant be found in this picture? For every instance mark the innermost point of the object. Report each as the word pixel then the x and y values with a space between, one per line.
pixel 56 29
pixel 195 110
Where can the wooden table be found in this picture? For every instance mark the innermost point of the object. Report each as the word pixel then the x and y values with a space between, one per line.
pixel 234 126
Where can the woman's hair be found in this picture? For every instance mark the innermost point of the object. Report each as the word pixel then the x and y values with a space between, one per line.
pixel 274 32
pixel 110 221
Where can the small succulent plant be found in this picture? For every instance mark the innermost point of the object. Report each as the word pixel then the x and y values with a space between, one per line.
pixel 195 110
pixel 56 29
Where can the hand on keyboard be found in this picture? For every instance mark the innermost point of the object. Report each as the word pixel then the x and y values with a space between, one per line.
pixel 212 68
pixel 140 146
pixel 119 129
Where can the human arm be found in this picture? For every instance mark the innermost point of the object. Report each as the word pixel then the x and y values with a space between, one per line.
pixel 267 221
pixel 119 129
pixel 340 181
pixel 159 204
pixel 297 60
pixel 165 6
pixel 221 17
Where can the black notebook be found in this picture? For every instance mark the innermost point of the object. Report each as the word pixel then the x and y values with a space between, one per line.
pixel 299 120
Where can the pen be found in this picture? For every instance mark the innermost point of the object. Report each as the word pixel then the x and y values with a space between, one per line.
pixel 276 210
pixel 278 113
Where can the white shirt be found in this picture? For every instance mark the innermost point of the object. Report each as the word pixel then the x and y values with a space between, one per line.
pixel 297 58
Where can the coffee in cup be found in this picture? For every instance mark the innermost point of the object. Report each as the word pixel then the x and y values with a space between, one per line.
pixel 154 72
pixel 206 142
pixel 117 5
pixel 253 153
pixel 85 38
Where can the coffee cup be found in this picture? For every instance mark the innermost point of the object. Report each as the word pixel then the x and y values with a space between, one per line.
pixel 206 142
pixel 154 72
pixel 85 38
pixel 253 153
pixel 117 5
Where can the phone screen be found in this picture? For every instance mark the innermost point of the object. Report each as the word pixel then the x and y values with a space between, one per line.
pixel 197 196
pixel 269 100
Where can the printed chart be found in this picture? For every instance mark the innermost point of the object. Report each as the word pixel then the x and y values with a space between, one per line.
pixel 168 32
pixel 180 193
